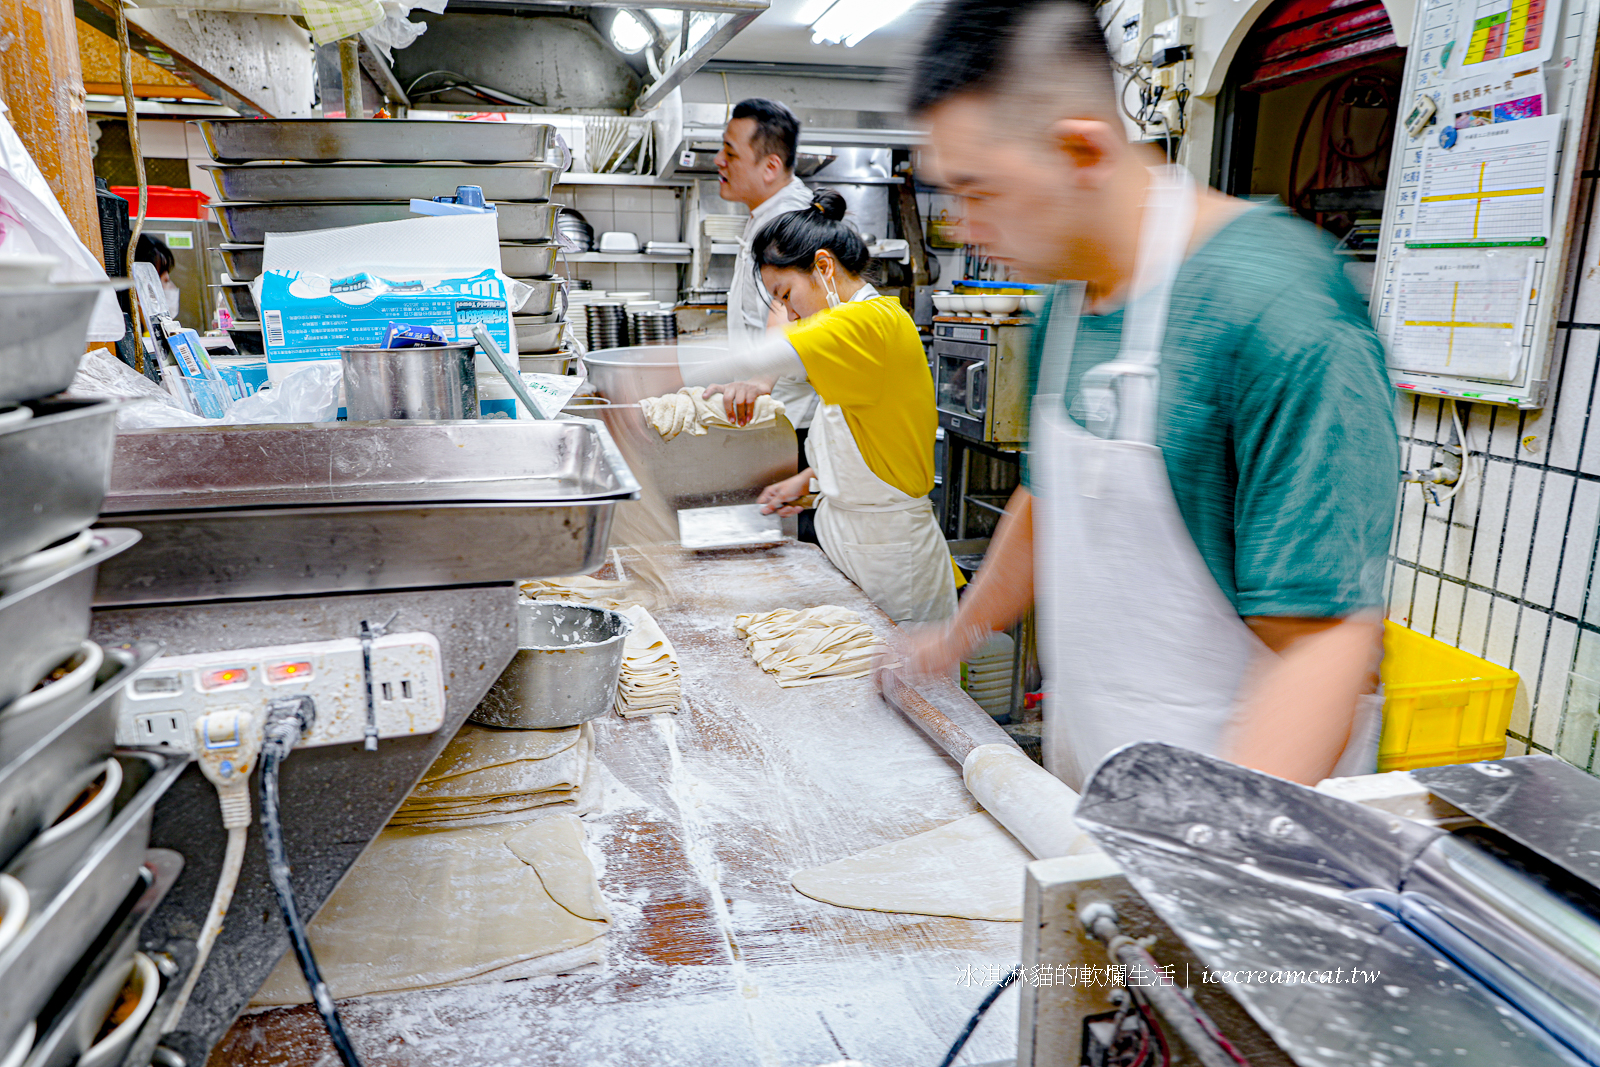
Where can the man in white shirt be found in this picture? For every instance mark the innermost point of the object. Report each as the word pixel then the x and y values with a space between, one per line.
pixel 756 168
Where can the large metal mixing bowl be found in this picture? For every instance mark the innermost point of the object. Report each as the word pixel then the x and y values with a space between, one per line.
pixel 565 671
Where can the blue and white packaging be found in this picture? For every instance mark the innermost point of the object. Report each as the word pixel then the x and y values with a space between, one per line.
pixel 326 288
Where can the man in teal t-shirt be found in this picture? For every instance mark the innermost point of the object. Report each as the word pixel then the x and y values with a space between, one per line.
pixel 1274 416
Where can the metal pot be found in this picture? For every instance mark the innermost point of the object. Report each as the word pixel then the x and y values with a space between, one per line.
pixel 410 383
pixel 565 671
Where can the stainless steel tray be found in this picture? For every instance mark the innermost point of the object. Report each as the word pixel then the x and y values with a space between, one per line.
pixel 43 624
pixel 389 140
pixel 73 1017
pixel 45 326
pixel 249 223
pixel 64 749
pixel 240 303
pixel 53 471
pixel 544 298
pixel 254 511
pixel 60 931
pixel 294 182
pixel 243 261
pixel 528 259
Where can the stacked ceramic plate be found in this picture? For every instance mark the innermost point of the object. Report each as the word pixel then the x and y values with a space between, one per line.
pixel 986 675
pixel 607 324
pixel 651 324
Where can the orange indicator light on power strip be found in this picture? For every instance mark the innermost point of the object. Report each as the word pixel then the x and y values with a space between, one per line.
pixel 224 678
pixel 288 672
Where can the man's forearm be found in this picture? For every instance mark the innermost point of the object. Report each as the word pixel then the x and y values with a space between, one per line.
pixel 1298 708
pixel 1003 589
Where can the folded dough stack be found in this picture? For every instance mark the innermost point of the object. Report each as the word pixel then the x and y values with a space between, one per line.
pixel 424 908
pixel 488 775
pixel 674 413
pixel 649 682
pixel 811 645
pixel 578 589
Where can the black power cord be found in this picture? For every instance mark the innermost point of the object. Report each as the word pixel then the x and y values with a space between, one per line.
pixel 288 719
pixel 983 1006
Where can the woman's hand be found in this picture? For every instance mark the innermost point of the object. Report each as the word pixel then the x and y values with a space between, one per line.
pixel 777 497
pixel 739 399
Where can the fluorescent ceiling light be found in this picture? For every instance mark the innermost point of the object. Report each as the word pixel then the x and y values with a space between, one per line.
pixel 848 22
pixel 628 34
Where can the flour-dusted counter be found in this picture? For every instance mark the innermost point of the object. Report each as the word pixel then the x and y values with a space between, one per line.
pixel 715 959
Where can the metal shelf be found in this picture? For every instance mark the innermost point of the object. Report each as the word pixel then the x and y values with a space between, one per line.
pixel 648 180
pixel 624 257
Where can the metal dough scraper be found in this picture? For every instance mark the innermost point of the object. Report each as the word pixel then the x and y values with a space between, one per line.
pixel 730 526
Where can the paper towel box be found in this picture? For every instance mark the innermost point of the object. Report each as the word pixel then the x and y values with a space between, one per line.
pixel 306 317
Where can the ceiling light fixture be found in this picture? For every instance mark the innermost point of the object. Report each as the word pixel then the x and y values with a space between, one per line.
pixel 628 35
pixel 848 22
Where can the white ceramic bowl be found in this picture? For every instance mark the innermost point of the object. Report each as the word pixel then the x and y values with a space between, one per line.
pixel 13 912
pixel 17 1053
pixel 31 568
pixel 110 1049
pixel 47 863
pixel 942 302
pixel 960 303
pixel 1033 303
pixel 1001 305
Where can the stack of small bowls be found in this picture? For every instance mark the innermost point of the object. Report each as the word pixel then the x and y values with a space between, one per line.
pixel 649 323
pixel 607 324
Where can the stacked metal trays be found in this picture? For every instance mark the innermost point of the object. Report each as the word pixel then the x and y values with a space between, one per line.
pixel 606 324
pixel 55 464
pixel 652 325
pixel 246 511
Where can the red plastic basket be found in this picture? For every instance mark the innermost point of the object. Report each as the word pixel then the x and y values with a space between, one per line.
pixel 165 202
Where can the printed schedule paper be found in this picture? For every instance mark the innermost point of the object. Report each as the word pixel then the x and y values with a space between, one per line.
pixel 1493 186
pixel 1462 316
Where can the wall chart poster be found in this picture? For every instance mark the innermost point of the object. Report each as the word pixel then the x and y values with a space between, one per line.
pixel 1487 185
pixel 1462 316
pixel 1521 31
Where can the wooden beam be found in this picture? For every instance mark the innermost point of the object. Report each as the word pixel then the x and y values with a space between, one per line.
pixel 42 81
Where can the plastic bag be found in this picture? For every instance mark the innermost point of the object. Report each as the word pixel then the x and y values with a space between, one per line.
pixel 310 394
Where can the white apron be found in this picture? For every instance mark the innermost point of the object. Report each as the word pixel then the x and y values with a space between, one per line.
pixel 1138 641
pixel 885 541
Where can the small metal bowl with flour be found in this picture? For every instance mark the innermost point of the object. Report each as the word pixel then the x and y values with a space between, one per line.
pixel 565 671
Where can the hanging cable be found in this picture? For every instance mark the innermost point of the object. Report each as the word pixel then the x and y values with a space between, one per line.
pixel 288 719
pixel 125 58
pixel 977 1014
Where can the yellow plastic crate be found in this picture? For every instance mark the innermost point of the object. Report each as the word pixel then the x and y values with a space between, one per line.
pixel 1441 705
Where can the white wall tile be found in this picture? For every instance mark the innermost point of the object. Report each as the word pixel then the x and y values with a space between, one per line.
pixel 1502 632
pixel 1428 425
pixel 1447 615
pixel 589 198
pixel 1555 663
pixel 1548 538
pixel 1505 433
pixel 1401 586
pixel 1475 621
pixel 1408 540
pixel 1435 524
pixel 1491 520
pixel 632 199
pixel 1517 540
pixel 1424 602
pixel 1405 408
pixel 1572 397
pixel 1578 551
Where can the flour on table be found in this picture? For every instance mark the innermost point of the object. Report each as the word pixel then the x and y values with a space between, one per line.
pixel 969 869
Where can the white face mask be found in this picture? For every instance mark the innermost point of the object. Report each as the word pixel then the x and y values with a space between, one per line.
pixel 833 294
pixel 172 297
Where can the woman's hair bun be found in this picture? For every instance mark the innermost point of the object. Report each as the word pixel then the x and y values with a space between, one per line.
pixel 831 203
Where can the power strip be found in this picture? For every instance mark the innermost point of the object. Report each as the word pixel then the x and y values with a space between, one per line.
pixel 161 705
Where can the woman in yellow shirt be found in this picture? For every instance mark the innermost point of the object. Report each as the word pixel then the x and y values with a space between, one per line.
pixel 871 444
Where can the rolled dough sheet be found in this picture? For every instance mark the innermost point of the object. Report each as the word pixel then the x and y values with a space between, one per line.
pixel 687 410
pixel 649 681
pixel 425 908
pixel 475 748
pixel 969 869
pixel 563 770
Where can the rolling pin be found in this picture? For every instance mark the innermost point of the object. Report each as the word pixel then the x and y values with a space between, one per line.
pixel 1026 799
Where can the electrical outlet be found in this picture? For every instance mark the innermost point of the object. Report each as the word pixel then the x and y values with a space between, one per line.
pixel 407 689
pixel 159 729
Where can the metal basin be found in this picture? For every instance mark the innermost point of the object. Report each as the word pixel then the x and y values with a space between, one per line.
pixel 241 302
pixel 538 334
pixel 45 327
pixel 277 510
pixel 389 140
pixel 565 671
pixel 44 623
pixel 243 261
pixel 527 259
pixel 410 383
pixel 53 471
pixel 279 182
pixel 628 375
pixel 249 223
pixel 546 294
